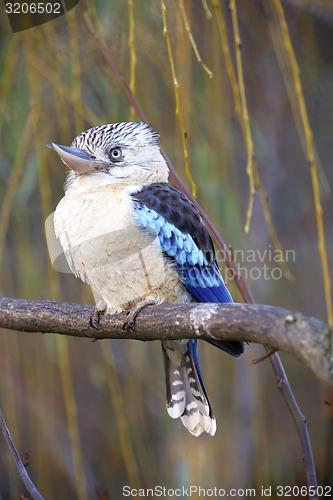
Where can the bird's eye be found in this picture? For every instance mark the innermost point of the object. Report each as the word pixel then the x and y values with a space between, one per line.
pixel 115 154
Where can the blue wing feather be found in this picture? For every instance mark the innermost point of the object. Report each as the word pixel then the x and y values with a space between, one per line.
pixel 202 278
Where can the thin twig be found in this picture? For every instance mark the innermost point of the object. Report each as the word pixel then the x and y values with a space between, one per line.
pixel 22 471
pixel 206 9
pixel 131 46
pixel 222 30
pixel 300 421
pixel 245 115
pixel 178 110
pixel 192 41
pixel 268 354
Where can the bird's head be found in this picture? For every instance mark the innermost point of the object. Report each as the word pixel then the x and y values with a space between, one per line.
pixel 117 153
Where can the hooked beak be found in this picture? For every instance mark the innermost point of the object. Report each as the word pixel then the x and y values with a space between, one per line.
pixel 79 160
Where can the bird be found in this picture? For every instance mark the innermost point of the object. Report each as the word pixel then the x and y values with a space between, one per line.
pixel 137 241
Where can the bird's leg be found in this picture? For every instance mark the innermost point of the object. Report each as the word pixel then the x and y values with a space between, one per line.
pixel 132 313
pixel 99 309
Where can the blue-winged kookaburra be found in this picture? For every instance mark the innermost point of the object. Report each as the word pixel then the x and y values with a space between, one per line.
pixel 136 241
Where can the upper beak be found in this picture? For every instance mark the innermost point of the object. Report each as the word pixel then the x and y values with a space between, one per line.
pixel 78 160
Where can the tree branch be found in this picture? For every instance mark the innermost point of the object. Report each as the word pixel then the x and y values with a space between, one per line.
pixel 31 488
pixel 307 339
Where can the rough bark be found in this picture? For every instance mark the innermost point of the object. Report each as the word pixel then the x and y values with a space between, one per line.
pixel 308 339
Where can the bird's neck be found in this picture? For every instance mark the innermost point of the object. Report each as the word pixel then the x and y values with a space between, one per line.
pixel 157 172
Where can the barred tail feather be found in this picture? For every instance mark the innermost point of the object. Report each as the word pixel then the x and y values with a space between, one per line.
pixel 186 395
pixel 175 388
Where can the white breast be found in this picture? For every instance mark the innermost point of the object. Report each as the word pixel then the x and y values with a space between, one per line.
pixel 105 248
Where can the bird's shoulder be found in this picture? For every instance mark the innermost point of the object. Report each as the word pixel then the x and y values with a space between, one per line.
pixel 177 210
pixel 184 239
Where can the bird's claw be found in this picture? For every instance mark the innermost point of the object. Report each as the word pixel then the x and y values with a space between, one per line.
pixel 95 320
pixel 129 324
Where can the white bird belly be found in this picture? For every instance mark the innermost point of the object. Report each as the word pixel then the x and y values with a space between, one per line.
pixel 106 249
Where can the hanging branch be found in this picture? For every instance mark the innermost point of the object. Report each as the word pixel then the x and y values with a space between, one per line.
pixel 310 154
pixel 244 116
pixel 176 89
pixel 192 41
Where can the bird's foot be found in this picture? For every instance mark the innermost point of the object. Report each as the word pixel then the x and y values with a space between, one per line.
pixel 99 310
pixel 132 314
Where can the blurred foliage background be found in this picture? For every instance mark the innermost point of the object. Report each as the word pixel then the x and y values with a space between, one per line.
pixel 91 417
